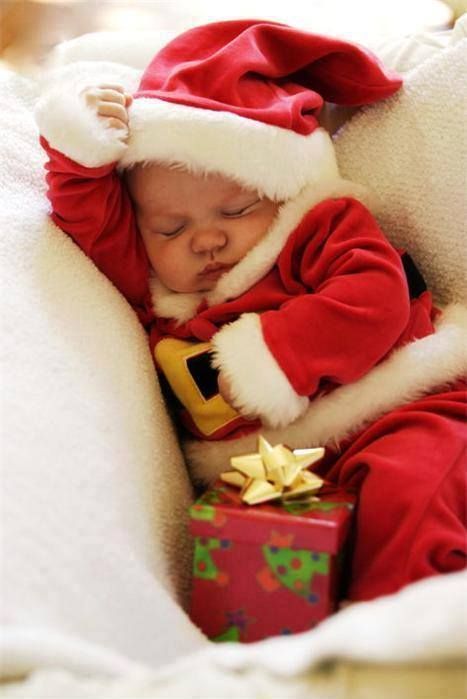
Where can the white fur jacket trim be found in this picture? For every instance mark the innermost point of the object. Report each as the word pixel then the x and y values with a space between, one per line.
pixel 259 386
pixel 409 373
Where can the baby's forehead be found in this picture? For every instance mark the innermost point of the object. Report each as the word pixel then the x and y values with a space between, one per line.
pixel 153 181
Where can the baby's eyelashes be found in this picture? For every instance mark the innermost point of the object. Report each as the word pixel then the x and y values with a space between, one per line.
pixel 171 234
pixel 165 226
pixel 169 229
pixel 232 213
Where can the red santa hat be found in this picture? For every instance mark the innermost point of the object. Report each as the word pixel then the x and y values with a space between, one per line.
pixel 242 98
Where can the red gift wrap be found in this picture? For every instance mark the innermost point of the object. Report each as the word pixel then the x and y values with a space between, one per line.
pixel 266 570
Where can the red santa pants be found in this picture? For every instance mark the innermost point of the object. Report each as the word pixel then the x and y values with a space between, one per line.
pixel 409 468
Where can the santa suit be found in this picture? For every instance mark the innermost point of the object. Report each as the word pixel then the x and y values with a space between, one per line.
pixel 333 305
pixel 319 330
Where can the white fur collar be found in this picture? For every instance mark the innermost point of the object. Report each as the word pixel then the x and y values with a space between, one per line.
pixel 259 260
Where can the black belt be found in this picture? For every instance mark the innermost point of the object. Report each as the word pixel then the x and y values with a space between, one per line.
pixel 415 280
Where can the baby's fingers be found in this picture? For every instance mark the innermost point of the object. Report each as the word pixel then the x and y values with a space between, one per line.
pixel 94 95
pixel 118 88
pixel 111 109
pixel 117 124
pixel 108 94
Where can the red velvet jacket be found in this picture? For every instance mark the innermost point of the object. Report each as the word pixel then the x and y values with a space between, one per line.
pixel 320 304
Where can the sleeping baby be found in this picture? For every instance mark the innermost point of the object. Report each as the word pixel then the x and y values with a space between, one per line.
pixel 211 198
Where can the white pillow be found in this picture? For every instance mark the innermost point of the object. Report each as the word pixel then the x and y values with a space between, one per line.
pixel 412 151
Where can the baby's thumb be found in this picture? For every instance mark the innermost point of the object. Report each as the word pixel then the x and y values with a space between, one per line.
pixel 128 99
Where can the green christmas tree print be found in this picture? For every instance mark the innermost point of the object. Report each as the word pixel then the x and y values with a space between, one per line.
pixel 300 508
pixel 204 566
pixel 231 634
pixel 293 569
pixel 205 509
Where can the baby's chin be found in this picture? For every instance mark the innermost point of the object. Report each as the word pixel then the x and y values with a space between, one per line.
pixel 194 288
pixel 199 285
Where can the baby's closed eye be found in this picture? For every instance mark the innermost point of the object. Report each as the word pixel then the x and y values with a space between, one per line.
pixel 240 210
pixel 170 233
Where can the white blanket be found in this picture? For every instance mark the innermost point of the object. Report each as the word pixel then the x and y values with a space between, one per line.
pixel 407 646
pixel 95 553
pixel 95 491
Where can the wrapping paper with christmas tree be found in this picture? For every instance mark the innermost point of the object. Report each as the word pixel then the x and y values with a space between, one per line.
pixel 269 569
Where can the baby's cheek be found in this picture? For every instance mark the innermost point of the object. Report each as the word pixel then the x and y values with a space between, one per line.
pixel 154 251
pixel 167 261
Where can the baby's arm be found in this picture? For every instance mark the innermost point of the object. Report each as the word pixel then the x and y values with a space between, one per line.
pixel 348 306
pixel 88 200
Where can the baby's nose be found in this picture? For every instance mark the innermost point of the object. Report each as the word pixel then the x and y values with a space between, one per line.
pixel 208 239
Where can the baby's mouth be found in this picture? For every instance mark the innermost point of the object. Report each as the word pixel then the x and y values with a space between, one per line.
pixel 214 270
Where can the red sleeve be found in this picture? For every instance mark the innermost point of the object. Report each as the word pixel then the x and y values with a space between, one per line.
pixel 93 207
pixel 352 303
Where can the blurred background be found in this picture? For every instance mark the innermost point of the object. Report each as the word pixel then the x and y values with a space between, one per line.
pixel 29 29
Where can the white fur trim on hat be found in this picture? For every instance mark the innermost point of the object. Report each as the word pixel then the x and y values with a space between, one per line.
pixel 409 373
pixel 74 129
pixel 277 162
pixel 259 386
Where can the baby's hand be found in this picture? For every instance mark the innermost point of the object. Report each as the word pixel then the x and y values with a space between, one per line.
pixel 224 387
pixel 225 390
pixel 110 102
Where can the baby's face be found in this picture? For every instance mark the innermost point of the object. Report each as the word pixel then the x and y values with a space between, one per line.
pixel 195 227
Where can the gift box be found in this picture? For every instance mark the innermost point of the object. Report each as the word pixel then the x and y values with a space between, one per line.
pixel 266 570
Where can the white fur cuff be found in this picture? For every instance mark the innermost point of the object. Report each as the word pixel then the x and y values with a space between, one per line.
pixel 412 371
pixel 259 385
pixel 72 128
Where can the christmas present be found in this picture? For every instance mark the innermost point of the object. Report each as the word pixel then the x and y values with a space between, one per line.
pixel 272 568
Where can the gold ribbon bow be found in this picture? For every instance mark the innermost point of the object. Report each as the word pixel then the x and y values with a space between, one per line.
pixel 273 473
